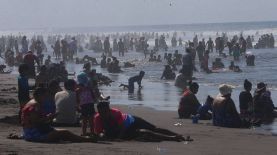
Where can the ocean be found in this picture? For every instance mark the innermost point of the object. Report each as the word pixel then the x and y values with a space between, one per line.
pixel 162 94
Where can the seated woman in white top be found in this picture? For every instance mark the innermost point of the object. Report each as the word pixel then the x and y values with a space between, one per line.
pixel 66 104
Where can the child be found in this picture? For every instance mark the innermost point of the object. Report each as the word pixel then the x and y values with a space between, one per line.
pixel 85 102
pixel 23 87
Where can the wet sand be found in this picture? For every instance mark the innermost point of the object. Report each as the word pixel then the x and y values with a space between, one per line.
pixel 207 138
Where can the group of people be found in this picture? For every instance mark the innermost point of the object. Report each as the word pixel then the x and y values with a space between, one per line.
pixel 265 41
pixel 254 110
pixel 52 106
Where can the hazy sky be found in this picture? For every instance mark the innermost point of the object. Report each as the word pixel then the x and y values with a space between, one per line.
pixel 72 13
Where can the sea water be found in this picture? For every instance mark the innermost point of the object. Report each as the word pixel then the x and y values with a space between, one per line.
pixel 162 94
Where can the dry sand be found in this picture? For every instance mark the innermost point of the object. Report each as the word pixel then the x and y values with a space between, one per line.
pixel 208 140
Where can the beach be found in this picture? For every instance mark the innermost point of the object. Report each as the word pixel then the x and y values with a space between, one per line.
pixel 207 138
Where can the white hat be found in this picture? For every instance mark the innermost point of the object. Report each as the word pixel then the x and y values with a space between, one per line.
pixel 225 89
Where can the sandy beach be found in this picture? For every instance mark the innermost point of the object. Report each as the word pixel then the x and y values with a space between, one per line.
pixel 207 138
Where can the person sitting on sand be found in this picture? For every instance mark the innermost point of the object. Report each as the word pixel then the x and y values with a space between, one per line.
pixel 66 104
pixel 49 105
pixel 168 73
pixel 263 104
pixel 111 123
pixel 36 126
pixel 205 110
pixel 246 100
pixel 224 109
pixel 189 104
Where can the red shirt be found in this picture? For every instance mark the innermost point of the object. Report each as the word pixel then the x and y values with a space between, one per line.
pixel 117 118
pixel 27 110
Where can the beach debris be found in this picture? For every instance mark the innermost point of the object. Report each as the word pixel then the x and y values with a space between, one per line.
pixel 130 107
pixel 161 150
pixel 8 101
pixel 188 139
pixel 8 89
pixel 14 136
pixel 178 124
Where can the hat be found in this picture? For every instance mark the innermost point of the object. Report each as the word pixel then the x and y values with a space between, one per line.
pixel 260 86
pixel 225 89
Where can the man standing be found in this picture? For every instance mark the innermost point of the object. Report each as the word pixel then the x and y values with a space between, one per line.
pixel 106 45
pixel 121 47
pixel 30 60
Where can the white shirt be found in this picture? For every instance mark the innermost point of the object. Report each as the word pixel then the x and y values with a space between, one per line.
pixel 66 107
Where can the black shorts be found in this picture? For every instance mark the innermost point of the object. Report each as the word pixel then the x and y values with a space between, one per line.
pixel 87 110
pixel 138 124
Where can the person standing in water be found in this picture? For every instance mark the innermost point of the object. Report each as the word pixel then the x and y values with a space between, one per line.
pixel 210 45
pixel 107 45
pixel 188 64
pixel 121 47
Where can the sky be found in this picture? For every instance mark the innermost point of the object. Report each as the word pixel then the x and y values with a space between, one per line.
pixel 17 14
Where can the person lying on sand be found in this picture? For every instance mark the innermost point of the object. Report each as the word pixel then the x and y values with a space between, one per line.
pixel 112 124
pixel 36 127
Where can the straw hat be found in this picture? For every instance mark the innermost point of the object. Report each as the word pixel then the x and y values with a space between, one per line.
pixel 225 89
pixel 260 86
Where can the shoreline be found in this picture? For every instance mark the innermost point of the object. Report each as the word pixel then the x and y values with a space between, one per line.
pixel 208 139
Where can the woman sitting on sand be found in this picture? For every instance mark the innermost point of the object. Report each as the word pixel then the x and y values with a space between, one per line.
pixel 110 123
pixel 36 126
pixel 224 109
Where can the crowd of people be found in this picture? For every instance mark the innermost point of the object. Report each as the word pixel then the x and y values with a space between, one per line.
pixel 254 110
pixel 265 41
pixel 51 105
